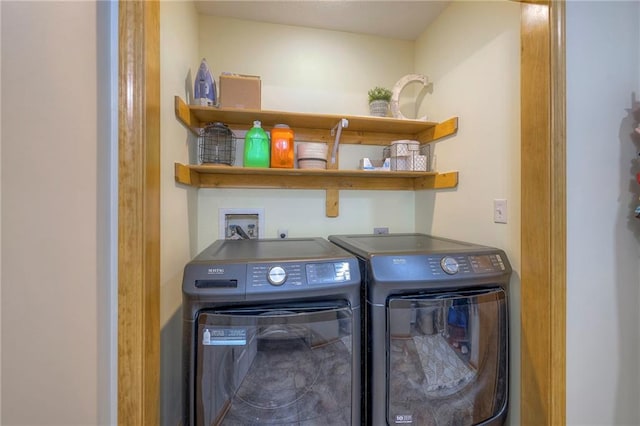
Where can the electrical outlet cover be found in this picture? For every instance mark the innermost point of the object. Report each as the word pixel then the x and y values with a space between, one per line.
pixel 500 211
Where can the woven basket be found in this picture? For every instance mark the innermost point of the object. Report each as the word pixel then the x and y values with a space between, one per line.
pixel 378 108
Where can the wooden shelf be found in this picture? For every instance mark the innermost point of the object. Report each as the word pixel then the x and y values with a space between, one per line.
pixel 215 176
pixel 362 130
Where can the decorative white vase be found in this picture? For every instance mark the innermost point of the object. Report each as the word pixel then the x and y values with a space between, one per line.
pixel 379 108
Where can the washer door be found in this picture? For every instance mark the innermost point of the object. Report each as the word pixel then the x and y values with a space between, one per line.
pixel 275 365
pixel 447 358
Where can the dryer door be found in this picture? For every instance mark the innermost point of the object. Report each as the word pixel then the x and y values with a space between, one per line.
pixel 275 365
pixel 447 358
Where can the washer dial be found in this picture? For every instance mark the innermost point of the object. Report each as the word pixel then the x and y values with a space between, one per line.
pixel 449 265
pixel 277 275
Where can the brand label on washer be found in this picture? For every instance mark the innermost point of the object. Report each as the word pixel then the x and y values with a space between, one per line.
pixel 224 337
pixel 404 418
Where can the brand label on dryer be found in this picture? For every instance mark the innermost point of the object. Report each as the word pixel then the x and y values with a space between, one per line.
pixel 224 337
pixel 404 418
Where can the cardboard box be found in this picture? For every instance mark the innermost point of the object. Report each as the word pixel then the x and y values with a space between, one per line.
pixel 240 91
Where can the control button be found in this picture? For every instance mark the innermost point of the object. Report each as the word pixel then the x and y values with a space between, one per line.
pixel 449 265
pixel 277 275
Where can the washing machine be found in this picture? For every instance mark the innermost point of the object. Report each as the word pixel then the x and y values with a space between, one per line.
pixel 435 329
pixel 271 334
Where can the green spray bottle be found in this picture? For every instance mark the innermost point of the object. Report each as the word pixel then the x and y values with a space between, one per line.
pixel 256 147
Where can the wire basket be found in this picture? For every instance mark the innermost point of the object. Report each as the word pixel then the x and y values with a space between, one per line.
pixel 217 145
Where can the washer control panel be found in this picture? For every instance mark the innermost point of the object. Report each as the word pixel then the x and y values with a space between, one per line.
pixel 466 264
pixel 297 274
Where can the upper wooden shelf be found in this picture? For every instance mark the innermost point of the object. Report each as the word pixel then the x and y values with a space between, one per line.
pixel 362 130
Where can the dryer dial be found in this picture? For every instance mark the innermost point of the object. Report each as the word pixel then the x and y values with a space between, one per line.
pixel 277 275
pixel 449 265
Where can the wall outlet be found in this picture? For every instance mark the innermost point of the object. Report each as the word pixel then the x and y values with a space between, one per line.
pixel 380 231
pixel 283 233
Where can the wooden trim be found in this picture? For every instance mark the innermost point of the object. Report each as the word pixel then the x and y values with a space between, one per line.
pixel 558 260
pixel 543 304
pixel 139 214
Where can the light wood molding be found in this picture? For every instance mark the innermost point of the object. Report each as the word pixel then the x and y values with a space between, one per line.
pixel 139 214
pixel 558 260
pixel 543 303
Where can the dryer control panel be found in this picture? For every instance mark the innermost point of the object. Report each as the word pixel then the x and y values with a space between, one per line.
pixel 436 267
pixel 487 263
pixel 466 264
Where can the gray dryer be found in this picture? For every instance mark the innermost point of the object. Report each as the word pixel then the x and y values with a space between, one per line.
pixel 435 329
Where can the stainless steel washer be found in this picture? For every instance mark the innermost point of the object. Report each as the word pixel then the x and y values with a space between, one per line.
pixel 436 329
pixel 271 332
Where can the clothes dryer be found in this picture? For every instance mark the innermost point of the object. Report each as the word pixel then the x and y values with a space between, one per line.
pixel 271 332
pixel 435 329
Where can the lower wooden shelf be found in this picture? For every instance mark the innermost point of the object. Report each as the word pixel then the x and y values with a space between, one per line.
pixel 220 176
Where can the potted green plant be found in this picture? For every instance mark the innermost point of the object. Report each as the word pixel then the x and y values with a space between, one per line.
pixel 379 98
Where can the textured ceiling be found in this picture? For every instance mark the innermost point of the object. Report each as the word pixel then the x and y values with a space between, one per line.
pixel 394 19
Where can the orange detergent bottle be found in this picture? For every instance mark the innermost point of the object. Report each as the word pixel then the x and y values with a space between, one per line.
pixel 281 147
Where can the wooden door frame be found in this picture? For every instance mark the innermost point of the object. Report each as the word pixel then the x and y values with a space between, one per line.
pixel 543 231
pixel 543 203
pixel 139 213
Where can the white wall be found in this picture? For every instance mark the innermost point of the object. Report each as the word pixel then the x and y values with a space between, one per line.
pixel 178 63
pixel 307 70
pixel 603 345
pixel 471 53
pixel 55 330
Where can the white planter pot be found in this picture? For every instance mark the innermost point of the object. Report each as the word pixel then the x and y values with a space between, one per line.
pixel 379 108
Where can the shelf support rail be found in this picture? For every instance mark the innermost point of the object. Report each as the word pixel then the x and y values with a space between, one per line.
pixel 337 131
